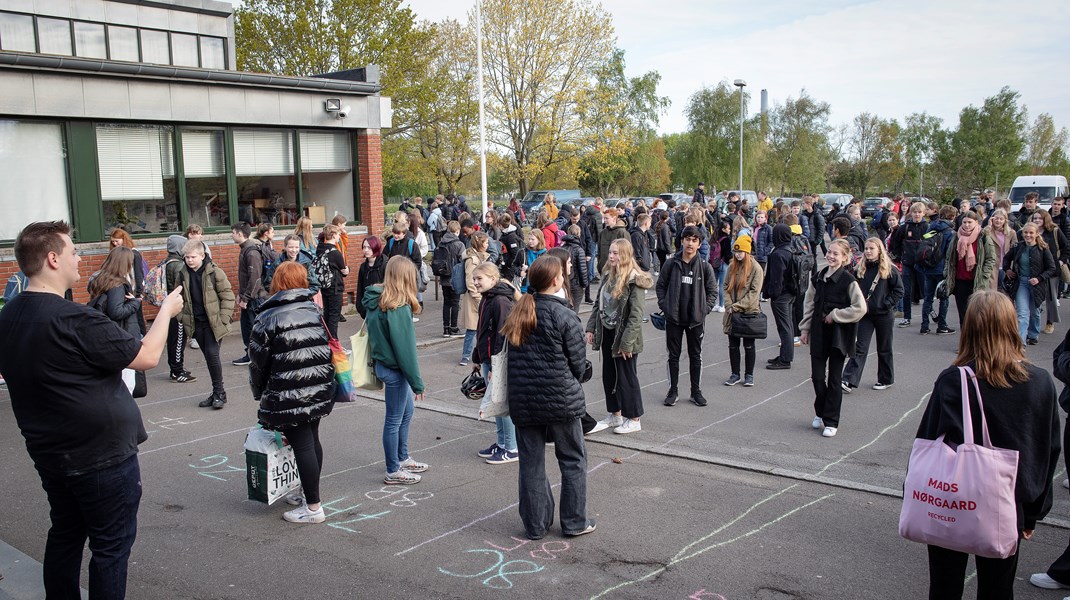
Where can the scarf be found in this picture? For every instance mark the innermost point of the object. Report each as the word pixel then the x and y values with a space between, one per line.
pixel 965 246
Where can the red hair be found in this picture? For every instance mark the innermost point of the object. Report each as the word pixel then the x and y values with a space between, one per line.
pixel 121 234
pixel 289 275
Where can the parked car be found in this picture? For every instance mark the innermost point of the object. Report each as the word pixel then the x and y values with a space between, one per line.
pixel 533 200
pixel 1046 186
pixel 870 206
pixel 841 200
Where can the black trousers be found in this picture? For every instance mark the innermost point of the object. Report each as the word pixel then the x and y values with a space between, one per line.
pixel 202 332
pixel 308 453
pixel 963 291
pixel 576 291
pixel 332 307
pixel 620 381
pixel 674 334
pixel 797 314
pixel 536 494
pixel 1060 569
pixel 882 325
pixel 783 316
pixel 451 306
pixel 176 346
pixel 748 352
pixel 947 575
pixel 828 395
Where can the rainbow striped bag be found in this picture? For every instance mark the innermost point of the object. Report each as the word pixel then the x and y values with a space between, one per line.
pixel 345 391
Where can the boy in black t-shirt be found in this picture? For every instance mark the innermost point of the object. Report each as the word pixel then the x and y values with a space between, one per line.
pixel 81 425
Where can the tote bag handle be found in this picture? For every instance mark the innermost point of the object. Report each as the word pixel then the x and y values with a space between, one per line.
pixel 967 417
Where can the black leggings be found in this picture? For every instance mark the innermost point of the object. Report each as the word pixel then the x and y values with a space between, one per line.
pixel 332 307
pixel 202 332
pixel 748 351
pixel 305 439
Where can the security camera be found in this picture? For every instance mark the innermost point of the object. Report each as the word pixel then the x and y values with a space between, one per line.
pixel 344 111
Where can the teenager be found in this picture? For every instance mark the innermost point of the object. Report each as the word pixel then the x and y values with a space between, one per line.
pixel 1027 269
pixel 882 288
pixel 970 263
pixel 744 286
pixel 206 314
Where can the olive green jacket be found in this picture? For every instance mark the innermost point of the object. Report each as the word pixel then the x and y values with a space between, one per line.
pixel 985 270
pixel 218 300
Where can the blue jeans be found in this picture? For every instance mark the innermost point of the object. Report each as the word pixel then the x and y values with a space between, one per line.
pixel 931 282
pixel 504 425
pixel 399 407
pixel 101 506
pixel 469 343
pixel 720 282
pixel 1028 317
pixel 592 252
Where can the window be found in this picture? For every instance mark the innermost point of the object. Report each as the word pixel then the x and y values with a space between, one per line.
pixel 154 47
pixel 16 33
pixel 327 174
pixel 54 36
pixel 264 168
pixel 206 177
pixel 89 40
pixel 213 55
pixel 35 175
pixel 122 41
pixel 184 50
pixel 137 182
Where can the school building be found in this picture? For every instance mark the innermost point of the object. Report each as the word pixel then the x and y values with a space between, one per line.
pixel 131 114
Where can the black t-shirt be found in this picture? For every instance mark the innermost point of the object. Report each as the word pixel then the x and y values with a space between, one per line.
pixel 687 283
pixel 63 364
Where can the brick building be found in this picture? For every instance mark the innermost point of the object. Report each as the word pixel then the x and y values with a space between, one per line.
pixel 130 113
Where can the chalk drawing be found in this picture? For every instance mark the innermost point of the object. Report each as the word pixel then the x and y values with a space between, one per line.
pixel 218 465
pixel 503 568
pixel 701 594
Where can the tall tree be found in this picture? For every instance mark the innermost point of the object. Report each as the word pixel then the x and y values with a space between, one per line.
pixel 918 137
pixel 539 57
pixel 874 150
pixel 709 152
pixel 988 140
pixel 1045 146
pixel 797 132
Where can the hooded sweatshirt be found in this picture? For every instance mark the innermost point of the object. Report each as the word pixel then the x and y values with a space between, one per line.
pixel 778 267
pixel 392 338
pixel 175 262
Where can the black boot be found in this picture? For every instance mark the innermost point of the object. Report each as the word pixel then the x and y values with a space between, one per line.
pixel 219 400
pixel 207 401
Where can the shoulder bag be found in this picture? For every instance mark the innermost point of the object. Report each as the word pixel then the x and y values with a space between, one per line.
pixel 363 371
pixel 962 498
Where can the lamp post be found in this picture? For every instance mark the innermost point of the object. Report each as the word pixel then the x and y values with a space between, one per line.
pixel 739 83
pixel 482 126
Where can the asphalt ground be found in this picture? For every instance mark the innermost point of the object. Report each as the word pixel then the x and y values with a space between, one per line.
pixel 738 499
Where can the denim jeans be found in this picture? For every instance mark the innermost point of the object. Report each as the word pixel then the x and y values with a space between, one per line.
pixel 592 252
pixel 102 506
pixel 536 497
pixel 1028 317
pixel 399 407
pixel 721 272
pixel 931 282
pixel 504 425
pixel 469 343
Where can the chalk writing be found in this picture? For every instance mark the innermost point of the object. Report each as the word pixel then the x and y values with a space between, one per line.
pixel 703 594
pixel 218 465
pixel 170 423
pixel 503 568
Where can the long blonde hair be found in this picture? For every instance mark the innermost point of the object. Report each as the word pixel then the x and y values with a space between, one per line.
pixel 399 285
pixel 303 231
pixel 621 273
pixel 490 271
pixel 1010 238
pixel 989 339
pixel 884 262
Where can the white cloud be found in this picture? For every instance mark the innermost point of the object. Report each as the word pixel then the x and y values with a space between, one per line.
pixel 888 57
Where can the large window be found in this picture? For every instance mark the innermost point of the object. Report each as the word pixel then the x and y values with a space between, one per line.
pixel 263 163
pixel 35 175
pixel 213 54
pixel 137 182
pixel 122 42
pixel 184 50
pixel 154 47
pixel 327 174
pixel 206 177
pixel 16 33
pixel 54 36
pixel 89 40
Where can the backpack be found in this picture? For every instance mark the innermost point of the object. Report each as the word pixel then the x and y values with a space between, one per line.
pixel 716 260
pixel 457 278
pixel 267 253
pixel 800 266
pixel 440 221
pixel 442 261
pixel 155 289
pixel 322 267
pixel 390 247
pixel 931 249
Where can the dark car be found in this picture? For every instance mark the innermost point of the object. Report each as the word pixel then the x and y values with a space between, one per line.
pixel 870 206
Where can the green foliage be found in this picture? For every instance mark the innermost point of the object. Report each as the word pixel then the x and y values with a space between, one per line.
pixel 989 140
pixel 798 132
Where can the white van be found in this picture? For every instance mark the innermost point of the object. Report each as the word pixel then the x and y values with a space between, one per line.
pixel 1047 186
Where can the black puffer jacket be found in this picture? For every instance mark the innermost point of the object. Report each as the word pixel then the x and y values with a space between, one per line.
pixel 291 374
pixel 494 307
pixel 579 261
pixel 1041 265
pixel 119 308
pixel 545 371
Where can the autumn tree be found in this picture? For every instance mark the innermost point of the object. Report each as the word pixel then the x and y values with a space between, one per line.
pixel 798 131
pixel 918 139
pixel 1045 147
pixel 539 58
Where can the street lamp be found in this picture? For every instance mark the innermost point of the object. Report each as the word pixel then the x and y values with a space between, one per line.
pixel 739 83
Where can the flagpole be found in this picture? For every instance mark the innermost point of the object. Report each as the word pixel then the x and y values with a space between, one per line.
pixel 479 76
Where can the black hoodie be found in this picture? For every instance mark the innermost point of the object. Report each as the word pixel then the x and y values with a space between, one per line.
pixel 778 267
pixel 494 307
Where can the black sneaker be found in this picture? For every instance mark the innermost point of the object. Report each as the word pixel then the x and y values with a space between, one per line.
pixel 241 362
pixel 183 377
pixel 447 332
pixel 671 398
pixel 697 398
pixel 778 366
pixel 218 400
pixel 775 359
pixel 1032 341
pixel 341 319
pixel 944 330
pixel 207 401
pixel 924 332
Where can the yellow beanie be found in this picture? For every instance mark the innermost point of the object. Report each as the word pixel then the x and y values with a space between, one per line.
pixel 743 244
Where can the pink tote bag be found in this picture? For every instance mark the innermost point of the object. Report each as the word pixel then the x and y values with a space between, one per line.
pixel 962 498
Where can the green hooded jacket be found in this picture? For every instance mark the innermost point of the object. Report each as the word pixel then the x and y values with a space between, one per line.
pixel 392 337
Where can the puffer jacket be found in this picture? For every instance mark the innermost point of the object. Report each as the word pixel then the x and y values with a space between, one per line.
pixel 119 308
pixel 763 242
pixel 218 298
pixel 578 256
pixel 748 301
pixel 291 374
pixel 545 371
pixel 628 336
pixel 494 307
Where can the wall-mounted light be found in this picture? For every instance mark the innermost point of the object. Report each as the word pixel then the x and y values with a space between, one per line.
pixel 332 105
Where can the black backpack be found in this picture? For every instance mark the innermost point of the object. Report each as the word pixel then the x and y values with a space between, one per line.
pixel 267 253
pixel 931 249
pixel 800 266
pixel 442 261
pixel 323 270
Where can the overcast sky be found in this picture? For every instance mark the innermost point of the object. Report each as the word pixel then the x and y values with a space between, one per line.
pixel 888 57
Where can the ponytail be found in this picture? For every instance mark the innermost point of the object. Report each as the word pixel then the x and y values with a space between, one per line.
pixel 521 321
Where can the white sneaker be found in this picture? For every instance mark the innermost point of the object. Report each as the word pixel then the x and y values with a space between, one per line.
pixel 629 426
pixel 193 344
pixel 612 421
pixel 818 423
pixel 1041 580
pixel 302 514
pixel 719 308
pixel 295 499
pixel 599 426
pixel 829 432
pixel 412 466
pixel 416 319
pixel 846 388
